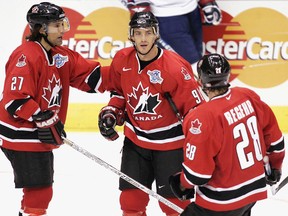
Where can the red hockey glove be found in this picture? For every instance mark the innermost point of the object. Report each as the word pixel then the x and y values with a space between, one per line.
pixel 108 118
pixel 211 11
pixel 137 7
pixel 274 177
pixel 178 190
pixel 50 128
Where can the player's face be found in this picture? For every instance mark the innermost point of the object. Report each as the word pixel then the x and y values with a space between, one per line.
pixel 56 30
pixel 55 34
pixel 61 25
pixel 143 38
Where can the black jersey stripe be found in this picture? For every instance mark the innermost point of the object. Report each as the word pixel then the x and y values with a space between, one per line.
pixel 226 195
pixel 278 147
pixel 171 133
pixel 14 106
pixel 192 178
pixel 93 79
pixel 17 134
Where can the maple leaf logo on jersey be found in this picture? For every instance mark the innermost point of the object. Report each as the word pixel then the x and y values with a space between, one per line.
pixel 185 73
pixel 21 61
pixel 142 101
pixel 195 127
pixel 60 60
pixel 53 92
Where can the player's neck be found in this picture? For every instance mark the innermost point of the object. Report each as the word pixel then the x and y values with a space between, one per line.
pixel 215 93
pixel 143 64
pixel 46 46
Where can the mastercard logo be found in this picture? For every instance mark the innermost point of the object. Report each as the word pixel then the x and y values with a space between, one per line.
pixel 254 41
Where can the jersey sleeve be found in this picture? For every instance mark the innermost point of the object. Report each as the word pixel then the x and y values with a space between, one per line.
pixel 20 86
pixel 85 75
pixel 115 86
pixel 115 74
pixel 199 164
pixel 273 137
pixel 182 86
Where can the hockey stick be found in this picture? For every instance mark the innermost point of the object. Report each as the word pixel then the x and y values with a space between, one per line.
pixel 122 175
pixel 173 106
pixel 281 185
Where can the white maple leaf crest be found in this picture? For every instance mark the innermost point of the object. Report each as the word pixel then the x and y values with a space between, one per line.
pixel 53 92
pixel 142 101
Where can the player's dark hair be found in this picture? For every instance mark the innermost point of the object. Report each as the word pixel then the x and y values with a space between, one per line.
pixel 35 34
pixel 219 90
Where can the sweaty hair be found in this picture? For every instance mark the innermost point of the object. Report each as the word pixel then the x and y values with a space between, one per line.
pixel 219 90
pixel 35 34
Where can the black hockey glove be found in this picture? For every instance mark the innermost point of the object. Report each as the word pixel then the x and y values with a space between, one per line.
pixel 274 177
pixel 212 13
pixel 50 128
pixel 180 192
pixel 108 118
pixel 189 210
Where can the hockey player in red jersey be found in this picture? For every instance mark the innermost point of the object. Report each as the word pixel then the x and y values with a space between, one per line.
pixel 142 77
pixel 180 23
pixel 226 140
pixel 34 102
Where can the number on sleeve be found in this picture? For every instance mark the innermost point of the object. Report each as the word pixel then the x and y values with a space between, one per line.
pixel 197 96
pixel 16 83
pixel 190 151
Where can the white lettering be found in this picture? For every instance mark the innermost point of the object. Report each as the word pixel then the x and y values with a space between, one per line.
pixel 147 118
pixel 254 48
pixel 250 44
pixel 239 112
pixel 48 122
pixel 228 118
pixel 83 47
pixel 105 48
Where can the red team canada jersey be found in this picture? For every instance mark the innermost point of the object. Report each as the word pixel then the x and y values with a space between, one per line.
pixel 226 140
pixel 33 84
pixel 151 122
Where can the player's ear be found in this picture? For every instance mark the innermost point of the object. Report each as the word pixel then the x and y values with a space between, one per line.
pixel 42 31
